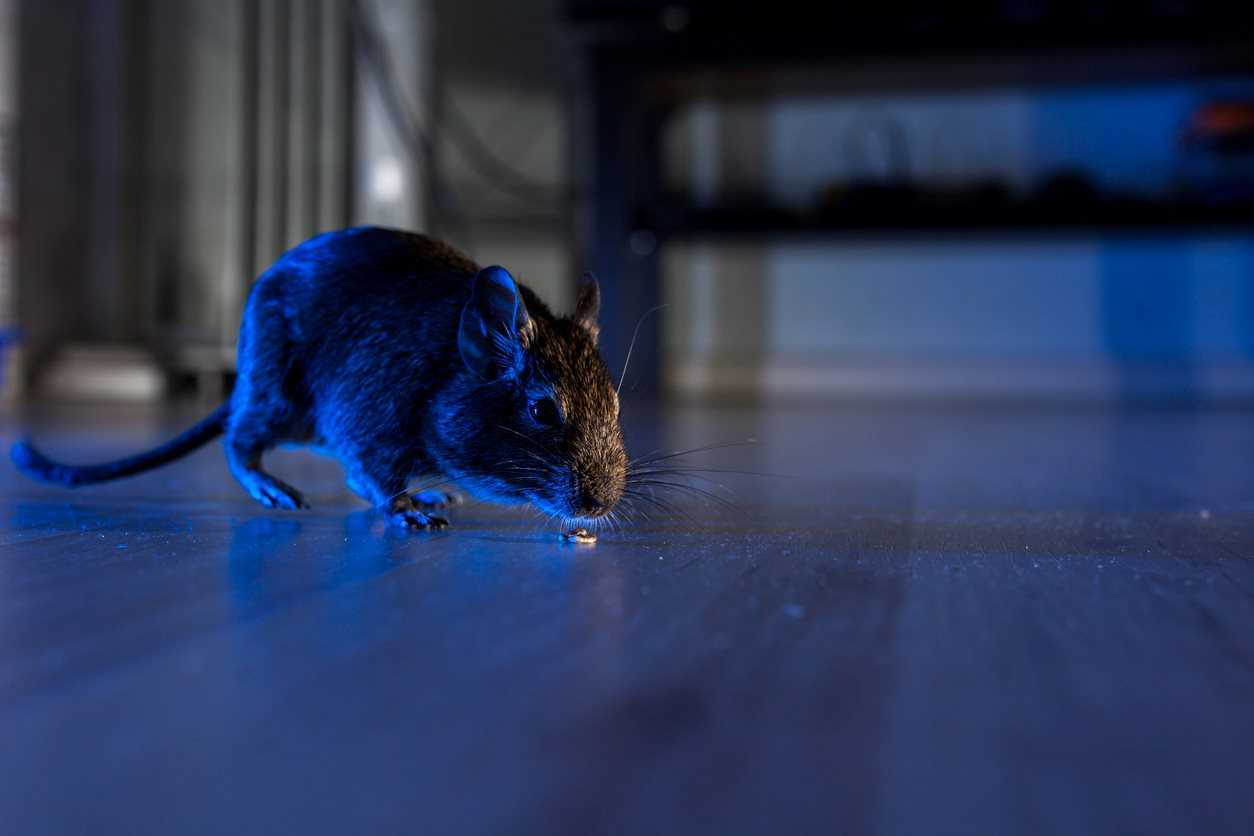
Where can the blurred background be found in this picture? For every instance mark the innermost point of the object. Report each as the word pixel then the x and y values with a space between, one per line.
pixel 1000 199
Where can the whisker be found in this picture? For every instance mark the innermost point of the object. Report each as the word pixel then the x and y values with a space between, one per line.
pixel 692 490
pixel 684 469
pixel 646 460
pixel 674 474
pixel 632 345
pixel 677 474
pixel 709 482
pixel 665 507
pixel 528 439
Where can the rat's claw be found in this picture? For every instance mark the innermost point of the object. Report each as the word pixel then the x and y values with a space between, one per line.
pixel 417 520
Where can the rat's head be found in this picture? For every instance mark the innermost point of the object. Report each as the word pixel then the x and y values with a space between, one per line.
pixel 537 418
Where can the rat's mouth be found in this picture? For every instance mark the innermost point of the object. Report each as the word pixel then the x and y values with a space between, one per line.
pixel 575 513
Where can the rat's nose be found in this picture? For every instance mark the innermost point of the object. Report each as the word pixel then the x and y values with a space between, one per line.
pixel 597 498
pixel 593 506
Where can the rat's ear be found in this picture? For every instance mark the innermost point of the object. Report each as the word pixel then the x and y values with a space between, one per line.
pixel 588 305
pixel 495 329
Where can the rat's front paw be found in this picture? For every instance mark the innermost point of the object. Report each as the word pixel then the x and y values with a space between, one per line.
pixel 416 520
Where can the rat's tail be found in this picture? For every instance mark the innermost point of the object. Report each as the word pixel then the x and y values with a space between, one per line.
pixel 38 466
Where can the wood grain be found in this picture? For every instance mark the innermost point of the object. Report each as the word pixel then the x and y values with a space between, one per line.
pixel 926 620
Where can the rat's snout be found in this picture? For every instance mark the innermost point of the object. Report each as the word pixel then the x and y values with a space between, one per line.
pixel 598 494
pixel 597 477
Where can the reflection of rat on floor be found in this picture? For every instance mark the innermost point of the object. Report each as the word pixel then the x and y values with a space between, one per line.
pixel 398 355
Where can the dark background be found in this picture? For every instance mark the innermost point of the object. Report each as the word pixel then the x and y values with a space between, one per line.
pixel 1005 199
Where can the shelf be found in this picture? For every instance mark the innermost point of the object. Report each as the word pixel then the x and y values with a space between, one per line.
pixel 882 221
pixel 746 49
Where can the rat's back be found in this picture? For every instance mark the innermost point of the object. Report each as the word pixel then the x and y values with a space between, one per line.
pixel 348 266
pixel 365 287
pixel 360 299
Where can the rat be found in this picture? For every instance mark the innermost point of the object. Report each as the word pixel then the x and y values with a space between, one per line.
pixel 402 358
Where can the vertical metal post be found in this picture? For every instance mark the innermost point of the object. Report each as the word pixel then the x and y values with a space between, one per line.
pixel 619 134
pixel 249 118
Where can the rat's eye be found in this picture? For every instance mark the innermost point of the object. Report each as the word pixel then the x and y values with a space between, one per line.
pixel 544 412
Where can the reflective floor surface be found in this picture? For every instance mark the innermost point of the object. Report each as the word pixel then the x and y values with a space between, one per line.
pixel 910 620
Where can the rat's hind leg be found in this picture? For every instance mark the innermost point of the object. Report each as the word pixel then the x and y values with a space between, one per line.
pixel 243 455
pixel 254 428
pixel 260 412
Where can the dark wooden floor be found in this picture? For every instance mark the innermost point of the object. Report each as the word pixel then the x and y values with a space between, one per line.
pixel 932 621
